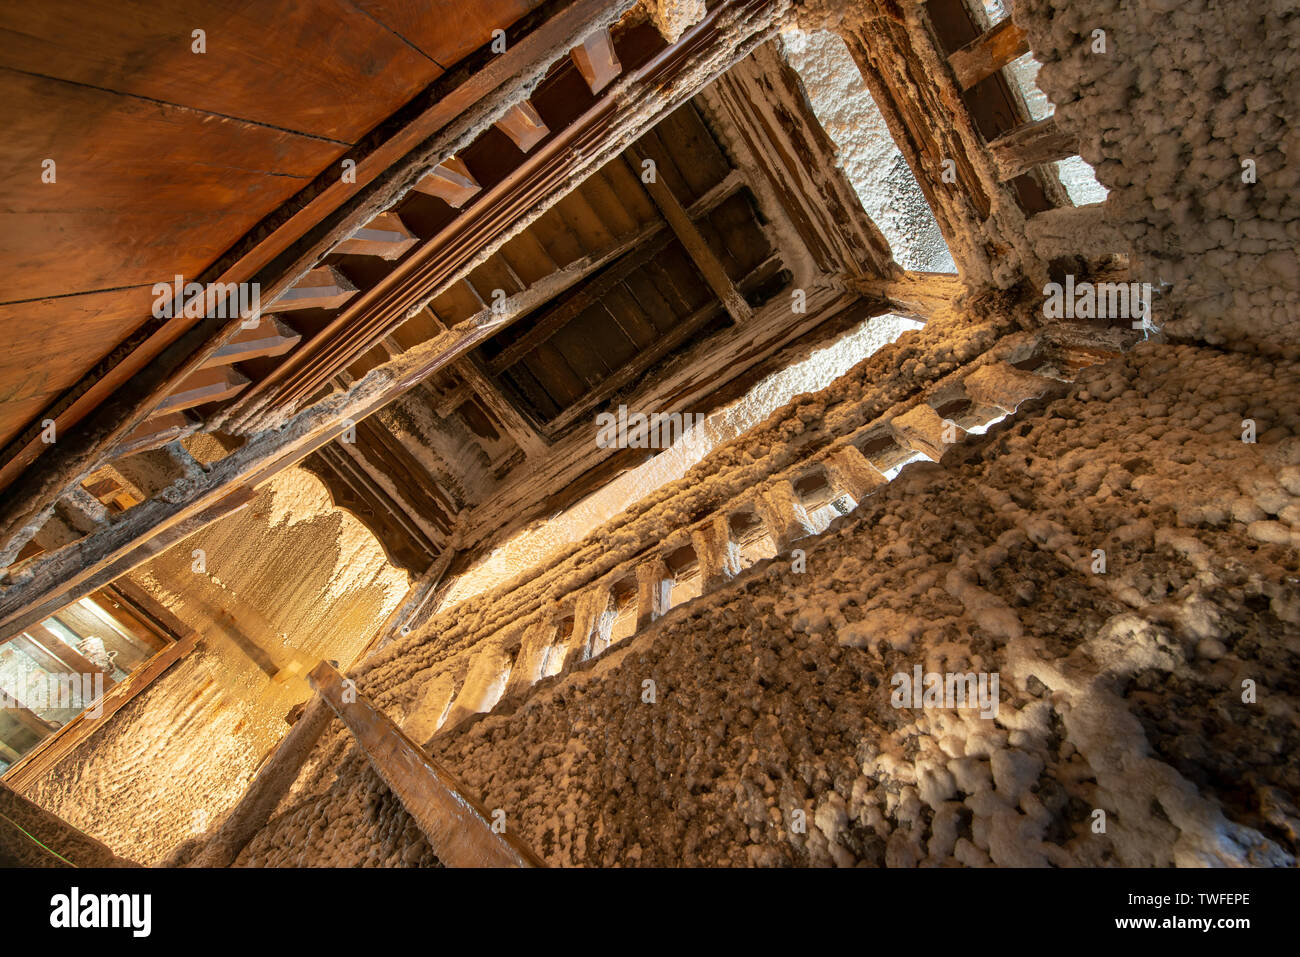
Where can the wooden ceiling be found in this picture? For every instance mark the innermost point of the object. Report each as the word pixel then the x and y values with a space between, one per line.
pixel 165 157
pixel 642 298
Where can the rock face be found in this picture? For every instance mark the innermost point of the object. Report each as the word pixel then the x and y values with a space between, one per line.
pixel 1187 118
pixel 1120 558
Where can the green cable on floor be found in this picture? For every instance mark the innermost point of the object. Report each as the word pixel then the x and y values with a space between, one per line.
pixel 36 842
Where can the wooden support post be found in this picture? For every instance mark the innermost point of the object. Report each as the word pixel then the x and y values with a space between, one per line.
pixel 786 519
pixel 515 423
pixel 988 53
pixel 1017 152
pixel 718 556
pixel 851 472
pixel 679 221
pixel 273 781
pixel 451 182
pixel 523 125
pixel 457 826
pixel 596 60
pixel 654 590
pixel 385 236
pixel 530 661
pixel 322 288
pixel 415 605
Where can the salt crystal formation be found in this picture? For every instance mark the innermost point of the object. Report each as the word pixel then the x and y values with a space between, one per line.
pixel 1121 692
pixel 1185 94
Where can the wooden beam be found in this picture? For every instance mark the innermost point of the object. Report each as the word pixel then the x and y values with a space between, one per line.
pixel 458 827
pixel 322 288
pixel 270 337
pixel 207 385
pixel 988 53
pixel 272 783
pixel 631 254
pixel 415 606
pixel 385 236
pixel 514 422
pixel 156 431
pixel 94 415
pixel 584 145
pixel 597 61
pixel 451 182
pixel 917 294
pixel 71 660
pixel 15 708
pixel 523 125
pixel 1025 147
pixel 73 571
pixel 679 221
pixel 727 34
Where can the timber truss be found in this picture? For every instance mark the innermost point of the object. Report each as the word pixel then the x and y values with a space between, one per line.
pixel 503 261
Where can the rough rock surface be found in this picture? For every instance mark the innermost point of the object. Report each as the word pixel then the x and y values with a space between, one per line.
pixel 1121 690
pixel 1183 96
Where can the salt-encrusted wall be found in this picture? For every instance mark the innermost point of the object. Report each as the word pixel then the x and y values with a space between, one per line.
pixel 285 582
pixel 1189 100
pixel 1121 690
pixel 1193 608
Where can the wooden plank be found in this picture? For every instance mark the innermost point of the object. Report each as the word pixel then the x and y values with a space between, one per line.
pixel 207 385
pixel 597 61
pixel 322 288
pixel 988 53
pixel 448 30
pixel 135 214
pixel 73 661
pixel 523 125
pixel 457 826
pixel 450 181
pixel 1025 147
pixel 679 221
pixel 280 66
pixel 385 236
pixel 626 257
